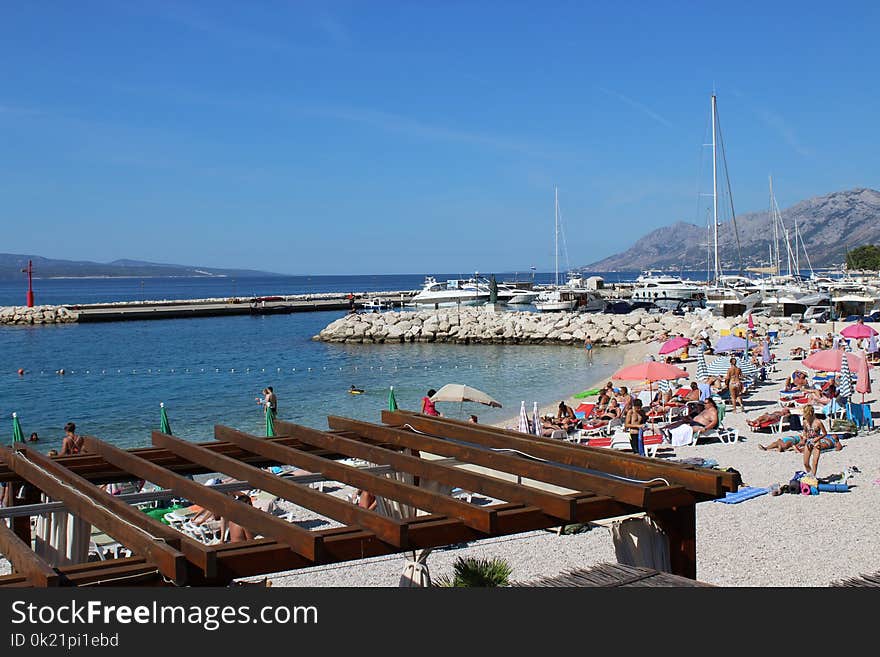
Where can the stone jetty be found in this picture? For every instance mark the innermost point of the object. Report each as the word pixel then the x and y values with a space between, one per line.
pixel 22 315
pixel 473 325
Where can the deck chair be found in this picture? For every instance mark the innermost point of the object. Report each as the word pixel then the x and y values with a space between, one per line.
pixel 773 423
pixel 728 435
pixel 860 414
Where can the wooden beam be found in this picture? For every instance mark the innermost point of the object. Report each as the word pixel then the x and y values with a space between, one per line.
pixel 560 506
pixel 263 557
pixel 25 561
pixel 697 480
pixel 388 529
pixel 630 493
pixel 94 468
pixel 297 538
pixel 138 531
pixel 473 516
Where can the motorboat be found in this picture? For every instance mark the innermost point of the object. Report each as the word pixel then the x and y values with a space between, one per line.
pixel 453 292
pixel 558 299
pixel 665 290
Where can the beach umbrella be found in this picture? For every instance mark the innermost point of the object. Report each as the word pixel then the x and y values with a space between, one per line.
pixel 844 380
pixel 863 378
pixel 674 345
pixel 458 392
pixel 872 344
pixel 702 370
pixel 847 345
pixel 664 385
pixel 17 433
pixel 649 371
pixel 392 400
pixel 719 366
pixel 751 323
pixel 536 421
pixel 523 418
pixel 730 343
pixel 858 331
pixel 747 366
pixel 270 422
pixel 765 353
pixel 164 426
pixel 829 360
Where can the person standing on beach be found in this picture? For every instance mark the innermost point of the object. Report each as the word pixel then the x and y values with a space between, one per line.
pixel 269 401
pixel 588 346
pixel 634 423
pixel 733 381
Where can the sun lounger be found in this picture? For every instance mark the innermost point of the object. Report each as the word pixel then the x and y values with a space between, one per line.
pixel 773 421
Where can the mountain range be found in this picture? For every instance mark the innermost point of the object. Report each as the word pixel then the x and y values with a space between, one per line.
pixel 11 265
pixel 829 225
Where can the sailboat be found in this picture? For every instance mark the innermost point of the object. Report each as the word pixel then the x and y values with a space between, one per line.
pixel 558 298
pixel 725 295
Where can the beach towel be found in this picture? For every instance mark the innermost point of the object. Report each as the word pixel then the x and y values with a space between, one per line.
pixel 587 393
pixel 705 391
pixel 743 494
pixel 681 435
pixel 586 409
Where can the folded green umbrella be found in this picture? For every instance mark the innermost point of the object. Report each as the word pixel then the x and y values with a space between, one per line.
pixel 392 401
pixel 17 433
pixel 164 426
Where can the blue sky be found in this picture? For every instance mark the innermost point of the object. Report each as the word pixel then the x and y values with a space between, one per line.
pixel 380 137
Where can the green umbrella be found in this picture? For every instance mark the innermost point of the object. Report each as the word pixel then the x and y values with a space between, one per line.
pixel 164 426
pixel 17 433
pixel 392 402
pixel 270 422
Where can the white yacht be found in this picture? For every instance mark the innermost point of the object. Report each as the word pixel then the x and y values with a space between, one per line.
pixel 453 292
pixel 665 290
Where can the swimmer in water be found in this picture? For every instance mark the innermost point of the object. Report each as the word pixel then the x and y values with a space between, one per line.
pixel 355 391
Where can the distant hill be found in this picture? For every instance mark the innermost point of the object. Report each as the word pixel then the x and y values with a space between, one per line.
pixel 11 265
pixel 829 225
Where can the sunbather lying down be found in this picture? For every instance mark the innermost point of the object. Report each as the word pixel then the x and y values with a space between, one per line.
pixel 781 444
pixel 768 419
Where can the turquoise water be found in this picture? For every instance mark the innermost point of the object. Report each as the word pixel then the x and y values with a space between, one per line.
pixel 211 370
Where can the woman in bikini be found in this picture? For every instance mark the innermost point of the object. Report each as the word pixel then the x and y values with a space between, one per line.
pixel 72 443
pixel 733 380
pixel 814 439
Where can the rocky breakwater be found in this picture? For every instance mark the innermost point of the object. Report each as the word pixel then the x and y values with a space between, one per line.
pixel 21 315
pixel 477 326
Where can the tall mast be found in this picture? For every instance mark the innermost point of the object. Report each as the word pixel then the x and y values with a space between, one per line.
pixel 715 193
pixel 797 254
pixel 556 232
pixel 776 263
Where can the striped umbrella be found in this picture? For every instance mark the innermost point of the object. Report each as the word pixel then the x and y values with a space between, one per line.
pixel 844 379
pixel 747 366
pixel 536 421
pixel 702 370
pixel 719 366
pixel 663 385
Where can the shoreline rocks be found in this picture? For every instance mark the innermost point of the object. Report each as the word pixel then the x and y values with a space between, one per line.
pixel 22 315
pixel 472 325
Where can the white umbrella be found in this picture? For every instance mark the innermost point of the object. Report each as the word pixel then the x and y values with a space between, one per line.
pixel 844 379
pixel 537 429
pixel 523 418
pixel 458 392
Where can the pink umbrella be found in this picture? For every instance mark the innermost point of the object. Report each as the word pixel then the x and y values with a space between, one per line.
pixel 863 384
pixel 674 345
pixel 751 322
pixel 649 371
pixel 858 331
pixel 828 360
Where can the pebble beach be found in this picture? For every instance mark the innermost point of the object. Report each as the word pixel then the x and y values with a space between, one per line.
pixel 785 540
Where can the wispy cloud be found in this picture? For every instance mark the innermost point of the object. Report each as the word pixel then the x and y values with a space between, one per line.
pixel 644 109
pixel 775 122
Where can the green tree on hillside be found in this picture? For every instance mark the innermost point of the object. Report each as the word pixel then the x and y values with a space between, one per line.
pixel 864 257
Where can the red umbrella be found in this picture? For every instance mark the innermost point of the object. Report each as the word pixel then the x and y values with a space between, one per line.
pixel 828 360
pixel 751 322
pixel 858 331
pixel 674 345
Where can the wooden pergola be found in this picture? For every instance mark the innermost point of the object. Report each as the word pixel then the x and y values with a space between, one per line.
pixel 536 484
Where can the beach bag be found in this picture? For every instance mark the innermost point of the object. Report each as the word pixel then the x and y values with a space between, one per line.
pixel 841 425
pixel 794 422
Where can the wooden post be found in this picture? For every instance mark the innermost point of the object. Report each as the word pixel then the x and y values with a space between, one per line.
pixel 680 526
pixel 22 525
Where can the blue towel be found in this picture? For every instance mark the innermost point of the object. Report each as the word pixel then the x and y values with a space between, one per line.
pixel 743 494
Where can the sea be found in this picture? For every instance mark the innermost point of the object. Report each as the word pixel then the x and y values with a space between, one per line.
pixel 210 371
